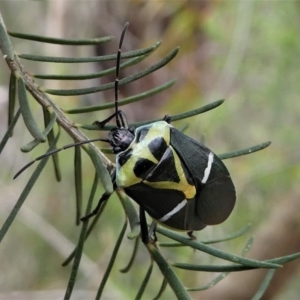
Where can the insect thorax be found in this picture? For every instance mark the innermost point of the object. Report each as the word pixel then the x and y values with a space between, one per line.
pixel 151 158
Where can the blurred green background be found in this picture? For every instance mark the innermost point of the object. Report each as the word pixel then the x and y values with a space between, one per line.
pixel 244 51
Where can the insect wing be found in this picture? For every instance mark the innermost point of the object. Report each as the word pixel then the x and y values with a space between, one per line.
pixel 161 186
pixel 158 203
pixel 215 196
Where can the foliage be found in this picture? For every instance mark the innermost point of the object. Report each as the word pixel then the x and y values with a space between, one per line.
pixel 54 118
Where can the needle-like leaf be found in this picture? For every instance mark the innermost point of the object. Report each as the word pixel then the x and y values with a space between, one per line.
pixel 58 41
pixel 12 98
pixel 28 117
pixel 78 182
pixel 9 130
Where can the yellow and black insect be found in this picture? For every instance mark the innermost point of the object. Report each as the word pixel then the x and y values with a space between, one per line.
pixel 178 181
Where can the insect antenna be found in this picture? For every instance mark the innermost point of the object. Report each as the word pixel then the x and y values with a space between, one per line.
pixel 119 114
pixel 56 151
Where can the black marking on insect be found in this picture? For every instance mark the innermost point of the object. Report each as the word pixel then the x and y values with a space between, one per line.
pixel 178 181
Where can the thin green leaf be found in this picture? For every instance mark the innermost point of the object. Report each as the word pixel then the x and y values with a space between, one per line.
pixel 78 182
pixel 50 138
pixel 197 111
pixel 171 244
pixel 284 259
pixel 145 282
pixel 245 151
pixel 27 114
pixel 31 145
pixel 106 72
pixel 84 91
pixel 111 261
pixel 133 255
pixel 173 118
pixel 72 60
pixel 264 285
pixel 80 244
pixel 58 41
pixel 248 246
pixel 131 213
pixel 162 289
pixel 107 150
pixel 101 169
pixel 49 127
pixel 210 268
pixel 215 252
pixel 125 101
pixel 26 191
pixel 5 44
pixel 184 127
pixel 184 115
pixel 234 267
pixel 12 98
pixel 9 130
pixel 223 274
pixel 168 273
pixel 228 237
pixel 210 284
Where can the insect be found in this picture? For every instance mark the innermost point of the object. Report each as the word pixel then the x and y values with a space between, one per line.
pixel 178 181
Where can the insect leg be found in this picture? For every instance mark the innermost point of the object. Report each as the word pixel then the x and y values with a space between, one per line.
pixel 167 118
pixel 100 124
pixel 190 234
pixel 144 226
pixel 122 117
pixel 103 198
